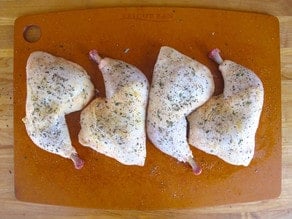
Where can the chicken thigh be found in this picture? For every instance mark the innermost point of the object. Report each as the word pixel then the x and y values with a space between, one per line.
pixel 179 86
pixel 226 125
pixel 55 87
pixel 115 125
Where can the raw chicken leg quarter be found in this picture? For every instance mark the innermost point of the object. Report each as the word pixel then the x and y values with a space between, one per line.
pixel 226 125
pixel 115 125
pixel 179 86
pixel 55 87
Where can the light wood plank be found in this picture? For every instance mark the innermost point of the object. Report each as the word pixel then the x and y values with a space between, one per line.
pixel 286 65
pixel 285 31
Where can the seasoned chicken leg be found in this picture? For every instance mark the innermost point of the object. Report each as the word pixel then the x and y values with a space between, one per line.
pixel 55 87
pixel 115 125
pixel 226 125
pixel 179 86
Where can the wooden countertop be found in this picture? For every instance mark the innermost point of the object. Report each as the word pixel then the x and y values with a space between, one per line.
pixel 11 208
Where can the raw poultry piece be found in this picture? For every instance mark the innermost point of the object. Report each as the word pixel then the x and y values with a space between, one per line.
pixel 55 87
pixel 226 125
pixel 179 86
pixel 115 125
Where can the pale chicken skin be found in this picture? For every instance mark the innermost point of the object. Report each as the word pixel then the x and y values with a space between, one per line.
pixel 115 125
pixel 55 87
pixel 179 86
pixel 226 125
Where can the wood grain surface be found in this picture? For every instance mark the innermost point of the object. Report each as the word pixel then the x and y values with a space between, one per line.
pixel 11 208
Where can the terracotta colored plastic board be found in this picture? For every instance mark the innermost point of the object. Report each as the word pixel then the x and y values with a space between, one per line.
pixel 135 35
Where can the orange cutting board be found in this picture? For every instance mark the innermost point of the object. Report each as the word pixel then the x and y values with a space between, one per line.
pixel 135 35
